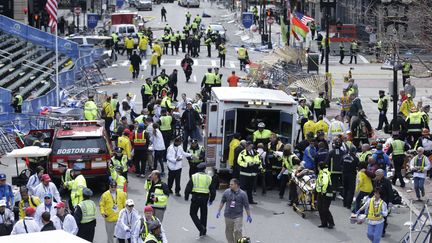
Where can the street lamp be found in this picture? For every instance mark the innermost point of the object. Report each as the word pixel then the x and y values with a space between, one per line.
pixel 327 4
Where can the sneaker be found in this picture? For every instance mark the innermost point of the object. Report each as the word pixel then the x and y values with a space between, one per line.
pixel 142 176
pixel 253 202
pixel 322 226
pixel 423 193
pixel 178 194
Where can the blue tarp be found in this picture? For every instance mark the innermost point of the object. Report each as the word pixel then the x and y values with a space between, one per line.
pixel 38 37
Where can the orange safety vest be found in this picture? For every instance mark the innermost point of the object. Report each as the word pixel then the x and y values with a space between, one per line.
pixel 139 141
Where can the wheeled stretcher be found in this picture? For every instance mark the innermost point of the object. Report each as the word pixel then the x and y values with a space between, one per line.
pixel 305 182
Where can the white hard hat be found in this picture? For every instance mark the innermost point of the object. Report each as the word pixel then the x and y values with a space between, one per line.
pixel 261 125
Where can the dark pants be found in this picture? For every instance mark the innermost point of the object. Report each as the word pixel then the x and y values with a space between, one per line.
pixel 354 55
pixel 140 159
pixel 153 69
pixel 188 74
pixel 123 240
pixel 174 175
pixel 199 202
pixel 165 50
pixel 404 78
pixel 173 48
pixel 283 183
pixel 128 52
pixel 412 137
pixel 135 72
pixel 86 231
pixel 337 183
pixel 167 137
pixel 192 169
pixel 174 92
pixel 222 60
pixel 246 184
pixel 242 64
pixel 159 61
pixel 324 210
pixel 159 157
pixel 319 112
pixel 382 119
pixel 358 201
pixel 18 109
pixel 183 45
pixel 188 133
pixel 348 189
pixel 108 121
pixel 342 56
pixel 208 50
pixel 398 161
pixel 163 17
pixel 146 99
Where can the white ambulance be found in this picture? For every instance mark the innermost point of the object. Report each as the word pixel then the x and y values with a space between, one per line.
pixel 232 110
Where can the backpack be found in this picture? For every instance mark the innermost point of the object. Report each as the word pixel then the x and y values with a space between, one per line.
pixel 397 199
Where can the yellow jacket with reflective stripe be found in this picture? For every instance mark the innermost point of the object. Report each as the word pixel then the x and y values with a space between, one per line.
pixel 308 127
pixel 124 143
pixel 165 123
pixel 201 183
pixel 88 209
pixel 232 146
pixel 265 134
pixel 398 147
pixel 323 181
pixel 90 110
pixel 162 199
pixel 106 204
pixel 76 186
pixel 108 109
pixel 33 202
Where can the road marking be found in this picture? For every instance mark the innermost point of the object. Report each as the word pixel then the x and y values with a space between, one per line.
pixel 124 63
pixel 213 63
pixel 194 79
pixel 162 62
pixel 364 60
pixel 142 76
pixel 232 65
pixel 195 62
pixel 178 62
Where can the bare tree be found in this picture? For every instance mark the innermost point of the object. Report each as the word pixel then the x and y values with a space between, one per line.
pixel 420 23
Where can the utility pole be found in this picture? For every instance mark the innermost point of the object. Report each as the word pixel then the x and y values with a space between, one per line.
pixel 327 5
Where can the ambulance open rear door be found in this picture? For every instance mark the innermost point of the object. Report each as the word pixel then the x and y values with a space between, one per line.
pixel 229 129
pixel 286 127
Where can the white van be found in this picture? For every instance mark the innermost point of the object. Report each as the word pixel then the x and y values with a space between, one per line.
pixel 124 30
pixel 232 110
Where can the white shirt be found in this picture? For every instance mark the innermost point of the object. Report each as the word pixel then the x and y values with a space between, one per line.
pixel 32 183
pixel 413 164
pixel 182 105
pixel 137 228
pixel 157 112
pixel 158 141
pixel 43 208
pixel 384 211
pixel 7 217
pixel 125 222
pixel 30 223
pixel 69 224
pixel 41 190
pixel 173 153
pixel 335 124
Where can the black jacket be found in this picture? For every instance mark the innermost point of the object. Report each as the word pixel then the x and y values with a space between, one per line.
pixel 48 227
pixel 135 60
pixel 349 166
pixel 172 80
pixel 386 187
pixel 152 189
pixel 190 119
pixel 211 196
pixel 335 159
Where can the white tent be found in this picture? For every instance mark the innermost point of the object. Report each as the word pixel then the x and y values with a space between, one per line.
pixel 54 236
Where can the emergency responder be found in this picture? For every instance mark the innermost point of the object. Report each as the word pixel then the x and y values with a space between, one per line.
pixel 242 55
pixel 365 153
pixel 115 102
pixel 166 122
pixel 140 145
pixel 166 103
pixel 406 70
pixel 321 125
pixel 383 103
pixel 115 40
pixel 341 52
pixel 162 80
pixel 154 235
pixel 174 39
pixel 27 201
pixel 222 53
pixel 146 92
pixel 425 113
pixel 261 135
pixel 90 109
pixel 207 43
pixel 334 164
pixel 345 103
pixel 336 128
pixel 303 113
pixel 309 126
pixel 208 80
pixel 378 47
pixel 290 162
pixel 85 216
pixel 273 163
pixel 165 40
pixel 107 113
pixel 65 176
pixel 76 185
pixel 116 175
pixel 255 14
pixel 188 17
pixel 17 101
pixel 354 50
pixel 397 149
pixel 119 159
pixel 129 45
pixel 203 191
pixel 112 201
pixel 325 194
pixel 217 78
pixel 194 27
pixel 157 194
pixel 250 164
pixel 124 143
pixel 157 52
pixel 198 152
pixel 196 43
pixel 415 124
pixel 142 46
pixel 349 173
pixel 324 47
pixel 319 105
pixel 183 38
pixel 197 19
pixel 361 129
pixel 407 105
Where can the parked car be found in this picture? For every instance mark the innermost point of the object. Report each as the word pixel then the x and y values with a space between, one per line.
pixel 190 3
pixel 144 5
pixel 216 27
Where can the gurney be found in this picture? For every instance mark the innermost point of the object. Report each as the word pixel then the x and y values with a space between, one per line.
pixel 305 182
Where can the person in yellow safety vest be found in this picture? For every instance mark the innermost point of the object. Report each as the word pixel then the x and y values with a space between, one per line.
pixel 85 216
pixel 242 55
pixel 157 194
pixel 420 164
pixel 406 71
pixel 345 103
pixel 90 109
pixel 143 115
pixel 234 143
pixel 198 155
pixel 107 113
pixel 183 38
pixel 406 106
pixel 162 79
pixel 321 125
pixel 188 17
pixel 124 143
pixel 65 176
pixel 250 165
pixel 26 201
pixel 365 153
pixel 309 126
pixel 397 149
pixel 115 102
pixel 319 105
pixel 303 113
pixel 274 162
pixel 217 78
pixel 222 54
pixel 146 92
pixel 325 195
pixel 197 19
pixel 383 103
pixel 203 190
pixel 255 13
pixel 115 40
pixel 376 210
pixel 120 159
pixel 76 185
pixel 261 135
pixel 336 128
pixel 142 45
pixel 17 102
pixel 425 113
pixel 354 50
pixel 166 38
pixel 415 123
pixel 111 203
pixel 174 38
pixel 166 122
pixel 116 175
pixel 324 48
pixel 208 80
pixel 208 40
pixel 158 50
pixel 155 235
pixel 290 162
pixel 166 102
pixel 194 27
pixel 352 89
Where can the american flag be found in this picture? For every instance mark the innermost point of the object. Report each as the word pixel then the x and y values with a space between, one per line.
pixel 51 8
pixel 304 18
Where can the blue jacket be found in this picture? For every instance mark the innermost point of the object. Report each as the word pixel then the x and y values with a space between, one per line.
pixel 382 160
pixel 309 157
pixel 6 192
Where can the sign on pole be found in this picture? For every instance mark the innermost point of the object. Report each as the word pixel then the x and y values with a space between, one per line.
pixel 77 11
pixel 247 19
pixel 92 20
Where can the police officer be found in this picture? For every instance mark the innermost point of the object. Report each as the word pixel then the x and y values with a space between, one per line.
pixel 261 135
pixel 383 102
pixel 325 195
pixel 222 53
pixel 85 216
pixel 397 149
pixel 198 152
pixel 115 40
pixel 274 162
pixel 208 42
pixel 120 159
pixel 349 172
pixel 183 37
pixel 166 40
pixel 188 17
pixel 218 78
pixel 146 92
pixel 334 163
pixel 203 191
pixel 174 40
pixel 353 50
pixel 90 109
pixel 341 52
pixel 415 123
pixel 157 194
pixel 65 176
pixel 319 105
pixel 365 153
pixel 166 122
pixel 249 162
pixel 208 80
pixel 290 162
pixel 76 186
pixel 141 140
pixel 303 113
pixel 242 55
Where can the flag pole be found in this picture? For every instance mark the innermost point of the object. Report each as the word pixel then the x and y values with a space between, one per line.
pixel 57 68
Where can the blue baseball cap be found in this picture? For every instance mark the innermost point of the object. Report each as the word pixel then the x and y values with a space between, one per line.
pixel 2 176
pixel 48 195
